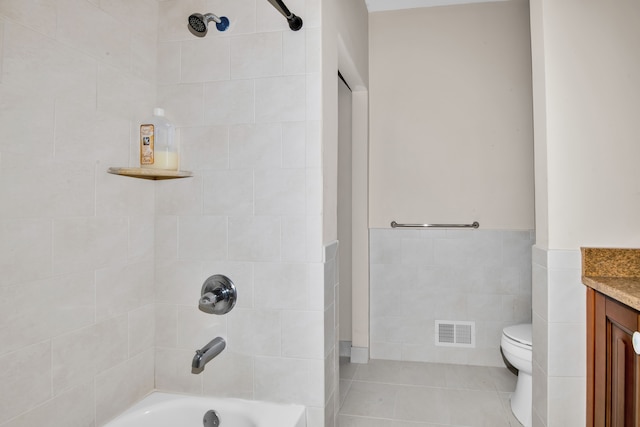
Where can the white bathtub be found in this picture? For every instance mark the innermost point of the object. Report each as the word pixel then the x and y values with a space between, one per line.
pixel 175 410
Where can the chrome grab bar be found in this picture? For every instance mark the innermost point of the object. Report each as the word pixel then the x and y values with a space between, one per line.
pixel 475 224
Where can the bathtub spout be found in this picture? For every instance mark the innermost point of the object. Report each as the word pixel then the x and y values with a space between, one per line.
pixel 206 353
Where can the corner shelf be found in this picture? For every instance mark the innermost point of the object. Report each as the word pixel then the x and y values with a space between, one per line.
pixel 154 174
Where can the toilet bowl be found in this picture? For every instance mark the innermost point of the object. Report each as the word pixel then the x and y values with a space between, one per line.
pixel 516 347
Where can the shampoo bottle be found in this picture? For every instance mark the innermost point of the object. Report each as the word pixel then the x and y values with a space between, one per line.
pixel 158 147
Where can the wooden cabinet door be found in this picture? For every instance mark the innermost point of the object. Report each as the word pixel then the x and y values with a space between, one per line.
pixel 622 366
pixel 613 368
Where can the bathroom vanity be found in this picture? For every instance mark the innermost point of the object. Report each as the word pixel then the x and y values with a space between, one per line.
pixel 612 277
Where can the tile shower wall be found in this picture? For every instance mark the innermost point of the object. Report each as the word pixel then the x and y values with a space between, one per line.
pixel 76 244
pixel 419 276
pixel 246 105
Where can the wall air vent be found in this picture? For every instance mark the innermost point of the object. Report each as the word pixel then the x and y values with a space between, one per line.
pixel 453 333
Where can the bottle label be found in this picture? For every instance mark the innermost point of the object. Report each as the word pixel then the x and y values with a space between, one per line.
pixel 146 144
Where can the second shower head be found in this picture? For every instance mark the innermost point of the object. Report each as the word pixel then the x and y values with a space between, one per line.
pixel 198 23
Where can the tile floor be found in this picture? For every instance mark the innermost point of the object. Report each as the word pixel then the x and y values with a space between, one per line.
pixel 412 394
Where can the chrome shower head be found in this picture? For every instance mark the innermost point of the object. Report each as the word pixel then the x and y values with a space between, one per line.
pixel 198 23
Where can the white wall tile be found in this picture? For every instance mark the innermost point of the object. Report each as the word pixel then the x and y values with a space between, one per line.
pixel 169 63
pixel 144 52
pixel 17 114
pixel 314 96
pixel 38 16
pixel 61 304
pixel 78 356
pixel 313 58
pixel 88 243
pixel 196 328
pixel 204 60
pixel 540 343
pixel 540 292
pixel 165 237
pixel 280 99
pixel 289 380
pixel 142 326
pixel 204 148
pixel 74 407
pixel 314 145
pixel 254 332
pixel 567 350
pixel 566 402
pixel 26 250
pixel 229 102
pixel 229 192
pixel 281 285
pixel 183 104
pixel 202 237
pixel 25 382
pixel 85 77
pixel 294 145
pixel 115 92
pixel 255 146
pixel 141 233
pixel 173 371
pixel 122 288
pixel 141 15
pixel 539 391
pixel 280 192
pixel 117 195
pixel 111 397
pixel 68 191
pixel 314 191
pixel 256 55
pixel 94 32
pixel 567 296
pixel 294 238
pixel 294 48
pixel 231 376
pixel 179 197
pixel 254 238
pixel 1 48
pixel 302 334
pixel 166 320
pixel 42 67
pixel 178 281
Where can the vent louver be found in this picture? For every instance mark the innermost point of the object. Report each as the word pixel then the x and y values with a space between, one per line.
pixel 455 333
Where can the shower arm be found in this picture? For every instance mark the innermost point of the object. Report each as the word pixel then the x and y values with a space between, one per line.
pixel 295 22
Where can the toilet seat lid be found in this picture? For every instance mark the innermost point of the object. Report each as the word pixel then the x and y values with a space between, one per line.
pixel 519 333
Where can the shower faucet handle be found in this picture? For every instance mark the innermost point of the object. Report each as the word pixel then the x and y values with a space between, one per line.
pixel 218 295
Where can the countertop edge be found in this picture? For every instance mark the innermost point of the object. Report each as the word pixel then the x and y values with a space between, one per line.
pixel 623 289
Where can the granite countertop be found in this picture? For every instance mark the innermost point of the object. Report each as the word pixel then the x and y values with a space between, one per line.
pixel 613 272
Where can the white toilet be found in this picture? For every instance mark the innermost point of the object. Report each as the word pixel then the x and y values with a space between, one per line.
pixel 516 347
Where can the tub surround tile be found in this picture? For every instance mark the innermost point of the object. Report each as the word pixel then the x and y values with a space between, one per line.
pixel 25 382
pixel 204 60
pixel 63 303
pixel 111 397
pixel 73 407
pixel 173 371
pixel 87 352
